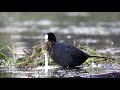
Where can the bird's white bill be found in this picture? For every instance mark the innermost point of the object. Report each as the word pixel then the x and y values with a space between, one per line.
pixel 46 38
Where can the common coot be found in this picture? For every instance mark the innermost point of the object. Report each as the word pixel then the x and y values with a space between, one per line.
pixel 64 54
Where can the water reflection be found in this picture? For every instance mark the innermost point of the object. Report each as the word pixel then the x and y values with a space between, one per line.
pixel 62 73
pixel 53 72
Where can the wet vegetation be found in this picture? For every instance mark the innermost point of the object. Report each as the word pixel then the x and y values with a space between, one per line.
pixel 37 57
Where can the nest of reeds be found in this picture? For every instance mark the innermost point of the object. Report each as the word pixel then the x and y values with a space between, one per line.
pixel 38 55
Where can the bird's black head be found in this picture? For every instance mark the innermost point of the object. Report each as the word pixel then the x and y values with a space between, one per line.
pixel 51 37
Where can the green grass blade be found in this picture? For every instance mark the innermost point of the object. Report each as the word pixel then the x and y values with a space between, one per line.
pixel 14 59
pixel 11 49
pixel 4 56
pixel 5 46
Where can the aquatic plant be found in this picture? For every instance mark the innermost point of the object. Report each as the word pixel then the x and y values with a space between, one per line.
pixel 38 55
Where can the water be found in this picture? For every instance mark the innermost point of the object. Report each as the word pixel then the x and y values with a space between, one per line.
pixel 99 30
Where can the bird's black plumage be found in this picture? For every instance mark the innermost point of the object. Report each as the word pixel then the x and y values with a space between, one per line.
pixel 66 55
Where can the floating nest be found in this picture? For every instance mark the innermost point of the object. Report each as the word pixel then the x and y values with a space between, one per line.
pixel 38 55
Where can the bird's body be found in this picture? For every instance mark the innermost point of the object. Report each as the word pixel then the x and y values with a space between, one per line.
pixel 66 55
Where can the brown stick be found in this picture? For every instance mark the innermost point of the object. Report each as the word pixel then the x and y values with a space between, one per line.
pixel 102 57
pixel 26 52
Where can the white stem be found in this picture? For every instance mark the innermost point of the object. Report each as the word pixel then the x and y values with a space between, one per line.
pixel 46 64
pixel 46 57
pixel 46 60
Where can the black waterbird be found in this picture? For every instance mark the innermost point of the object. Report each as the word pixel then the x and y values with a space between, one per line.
pixel 64 54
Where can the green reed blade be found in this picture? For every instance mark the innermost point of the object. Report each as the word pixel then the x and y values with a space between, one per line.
pixel 5 46
pixel 4 56
pixel 11 49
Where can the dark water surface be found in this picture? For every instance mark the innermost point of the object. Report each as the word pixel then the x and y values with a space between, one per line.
pixel 99 30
